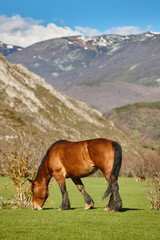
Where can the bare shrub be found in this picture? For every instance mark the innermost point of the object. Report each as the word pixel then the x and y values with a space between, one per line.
pixel 154 185
pixel 152 168
pixel 18 165
pixel 17 170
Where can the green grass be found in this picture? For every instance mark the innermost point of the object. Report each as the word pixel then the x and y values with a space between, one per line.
pixel 149 105
pixel 135 222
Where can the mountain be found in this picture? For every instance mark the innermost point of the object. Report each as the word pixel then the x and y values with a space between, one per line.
pixel 105 71
pixel 140 121
pixel 32 110
pixel 6 49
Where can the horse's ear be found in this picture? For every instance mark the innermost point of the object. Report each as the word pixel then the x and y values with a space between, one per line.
pixel 30 180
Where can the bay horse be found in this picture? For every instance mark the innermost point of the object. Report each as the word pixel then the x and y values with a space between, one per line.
pixel 66 159
pixel 140 177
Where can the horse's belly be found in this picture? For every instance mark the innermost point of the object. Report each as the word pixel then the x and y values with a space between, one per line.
pixel 81 172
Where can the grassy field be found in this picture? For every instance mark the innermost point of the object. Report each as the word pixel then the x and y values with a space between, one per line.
pixel 135 222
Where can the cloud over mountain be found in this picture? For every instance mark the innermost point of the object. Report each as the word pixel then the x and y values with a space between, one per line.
pixel 126 30
pixel 23 32
pixel 26 31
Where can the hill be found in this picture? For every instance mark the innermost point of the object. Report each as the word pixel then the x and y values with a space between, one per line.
pixel 34 111
pixel 6 49
pixel 141 121
pixel 101 65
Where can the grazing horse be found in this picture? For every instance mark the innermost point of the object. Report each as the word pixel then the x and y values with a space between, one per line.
pixel 65 159
pixel 140 177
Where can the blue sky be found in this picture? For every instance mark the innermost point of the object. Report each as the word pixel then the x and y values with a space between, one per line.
pixel 25 22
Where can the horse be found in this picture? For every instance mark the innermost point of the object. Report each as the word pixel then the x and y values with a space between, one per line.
pixel 67 159
pixel 140 177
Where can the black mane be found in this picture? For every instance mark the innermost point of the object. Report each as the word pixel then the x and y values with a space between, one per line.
pixel 44 158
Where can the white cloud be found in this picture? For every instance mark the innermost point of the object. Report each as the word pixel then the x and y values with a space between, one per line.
pixel 88 31
pixel 26 31
pixel 127 30
pixel 149 28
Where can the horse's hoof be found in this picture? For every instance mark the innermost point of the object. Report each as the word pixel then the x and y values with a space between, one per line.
pixel 111 209
pixel 107 208
pixel 89 206
pixel 61 208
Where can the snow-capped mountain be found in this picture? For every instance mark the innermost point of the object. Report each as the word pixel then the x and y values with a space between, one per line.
pixel 6 49
pixel 93 69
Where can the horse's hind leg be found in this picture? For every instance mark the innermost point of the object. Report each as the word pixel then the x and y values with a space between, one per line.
pixel 89 203
pixel 115 202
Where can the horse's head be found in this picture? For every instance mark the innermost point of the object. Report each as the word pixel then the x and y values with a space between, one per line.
pixel 40 194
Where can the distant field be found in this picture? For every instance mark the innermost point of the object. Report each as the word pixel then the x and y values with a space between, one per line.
pixel 135 222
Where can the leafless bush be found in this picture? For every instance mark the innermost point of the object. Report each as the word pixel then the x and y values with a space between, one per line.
pixel 18 166
pixel 153 181
pixel 17 171
pixel 154 186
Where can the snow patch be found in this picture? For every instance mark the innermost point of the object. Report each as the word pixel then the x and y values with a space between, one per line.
pixel 55 74
pixel 156 33
pixel 71 43
pixel 133 67
pixel 101 42
pixel 10 46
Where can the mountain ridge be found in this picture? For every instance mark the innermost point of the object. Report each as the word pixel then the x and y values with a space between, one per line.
pixel 96 61
pixel 62 52
pixel 6 49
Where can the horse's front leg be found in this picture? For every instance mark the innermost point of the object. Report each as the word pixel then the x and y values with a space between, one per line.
pixel 65 199
pixel 89 203
pixel 62 184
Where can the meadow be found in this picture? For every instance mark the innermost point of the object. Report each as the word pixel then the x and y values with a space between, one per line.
pixel 136 221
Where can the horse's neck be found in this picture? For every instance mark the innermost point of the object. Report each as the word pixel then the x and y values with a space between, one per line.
pixel 43 175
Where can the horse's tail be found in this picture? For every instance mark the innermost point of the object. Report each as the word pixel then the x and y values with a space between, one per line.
pixel 116 166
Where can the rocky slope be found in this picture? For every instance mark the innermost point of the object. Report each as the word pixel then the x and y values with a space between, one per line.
pixel 34 111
